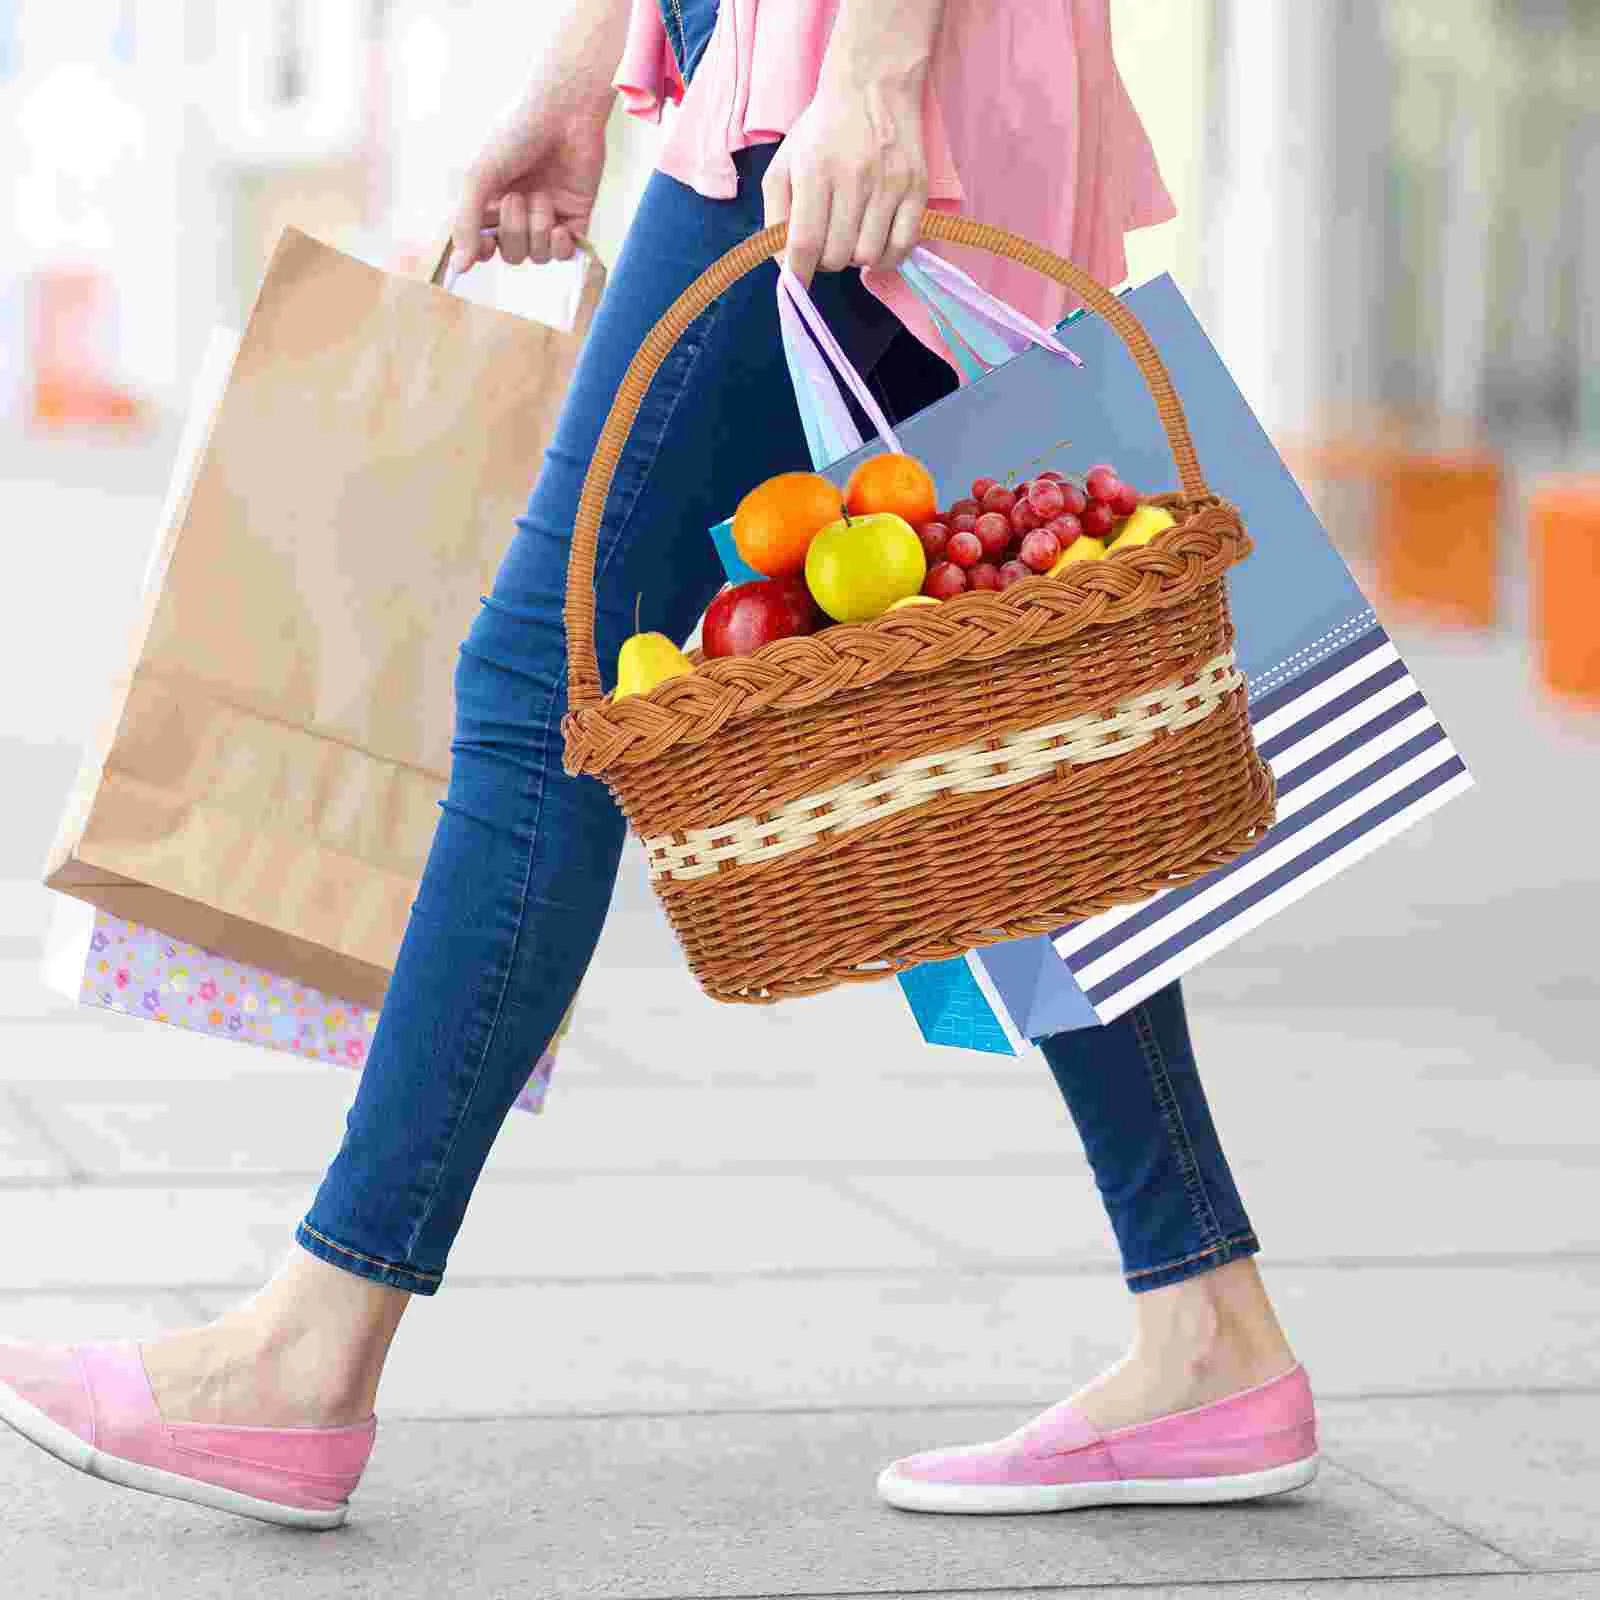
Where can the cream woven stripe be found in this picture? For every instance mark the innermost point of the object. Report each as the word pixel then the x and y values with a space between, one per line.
pixel 971 769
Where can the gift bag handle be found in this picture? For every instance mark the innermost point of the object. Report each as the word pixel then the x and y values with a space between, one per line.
pixel 583 671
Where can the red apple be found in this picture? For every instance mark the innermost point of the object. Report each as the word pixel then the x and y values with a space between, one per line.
pixel 743 619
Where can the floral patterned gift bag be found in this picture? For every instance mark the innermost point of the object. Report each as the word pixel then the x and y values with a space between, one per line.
pixel 103 960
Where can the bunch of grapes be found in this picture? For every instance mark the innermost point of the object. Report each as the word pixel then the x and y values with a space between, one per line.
pixel 1002 534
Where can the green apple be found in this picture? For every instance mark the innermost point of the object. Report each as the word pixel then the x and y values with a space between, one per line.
pixel 858 567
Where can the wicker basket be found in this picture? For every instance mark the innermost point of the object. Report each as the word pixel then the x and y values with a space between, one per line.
pixel 837 808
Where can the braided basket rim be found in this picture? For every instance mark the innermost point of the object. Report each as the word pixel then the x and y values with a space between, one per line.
pixel 638 719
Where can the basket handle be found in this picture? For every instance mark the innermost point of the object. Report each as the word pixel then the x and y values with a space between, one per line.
pixel 583 669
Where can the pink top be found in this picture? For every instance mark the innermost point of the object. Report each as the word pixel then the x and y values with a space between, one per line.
pixel 1027 125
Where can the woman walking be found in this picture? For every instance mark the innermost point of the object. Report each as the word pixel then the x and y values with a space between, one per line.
pixel 843 118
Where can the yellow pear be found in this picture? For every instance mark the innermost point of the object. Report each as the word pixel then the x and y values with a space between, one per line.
pixel 1083 548
pixel 646 660
pixel 1140 528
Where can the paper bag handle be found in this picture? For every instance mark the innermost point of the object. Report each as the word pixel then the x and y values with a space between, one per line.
pixel 440 276
pixel 583 670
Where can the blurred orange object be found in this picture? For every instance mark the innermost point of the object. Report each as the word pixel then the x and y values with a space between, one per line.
pixel 1564 529
pixel 1438 533
pixel 72 315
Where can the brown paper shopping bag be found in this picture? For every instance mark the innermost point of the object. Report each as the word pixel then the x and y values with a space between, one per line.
pixel 266 785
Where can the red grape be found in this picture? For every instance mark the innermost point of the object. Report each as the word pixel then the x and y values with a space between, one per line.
pixel 945 580
pixel 933 536
pixel 1102 483
pixel 965 508
pixel 994 533
pixel 1097 519
pixel 965 523
pixel 986 575
pixel 998 499
pixel 1047 499
pixel 1054 477
pixel 965 549
pixel 1024 519
pixel 981 487
pixel 1075 497
pixel 1066 528
pixel 1014 572
pixel 1126 500
pixel 1040 549
pixel 1020 490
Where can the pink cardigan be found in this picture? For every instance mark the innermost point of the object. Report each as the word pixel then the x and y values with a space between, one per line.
pixel 1027 125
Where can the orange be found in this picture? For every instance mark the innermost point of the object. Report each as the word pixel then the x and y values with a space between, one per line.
pixel 778 519
pixel 892 483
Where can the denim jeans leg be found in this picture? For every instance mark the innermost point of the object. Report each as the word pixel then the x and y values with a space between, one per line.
pixel 524 858
pixel 1135 1095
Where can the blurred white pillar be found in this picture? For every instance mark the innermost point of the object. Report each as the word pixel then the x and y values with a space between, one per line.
pixel 1262 270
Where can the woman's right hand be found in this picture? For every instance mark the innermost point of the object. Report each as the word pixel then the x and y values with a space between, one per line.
pixel 535 182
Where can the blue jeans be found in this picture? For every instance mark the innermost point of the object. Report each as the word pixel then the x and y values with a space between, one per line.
pixel 523 860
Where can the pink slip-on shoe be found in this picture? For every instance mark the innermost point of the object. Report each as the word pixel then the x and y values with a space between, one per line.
pixel 92 1407
pixel 1258 1442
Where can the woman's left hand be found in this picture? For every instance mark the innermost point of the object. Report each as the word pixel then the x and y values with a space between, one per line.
pixel 851 177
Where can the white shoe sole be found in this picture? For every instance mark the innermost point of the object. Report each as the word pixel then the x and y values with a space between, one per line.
pixel 44 1431
pixel 910 1495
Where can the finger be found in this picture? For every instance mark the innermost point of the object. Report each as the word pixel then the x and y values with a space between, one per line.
pixel 847 206
pixel 541 224
pixel 514 228
pixel 808 228
pixel 478 204
pixel 877 221
pixel 563 246
pixel 906 233
pixel 776 194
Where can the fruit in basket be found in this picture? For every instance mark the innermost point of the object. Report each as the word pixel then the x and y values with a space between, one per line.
pixel 1143 525
pixel 776 522
pixel 1023 518
pixel 1039 550
pixel 1014 572
pixel 999 499
pixel 744 618
pixel 934 536
pixel 986 575
pixel 647 659
pixel 945 581
pixel 1125 501
pixel 896 484
pixel 1084 549
pixel 1101 483
pixel 913 600
pixel 1046 498
pixel 965 549
pixel 1097 519
pixel 981 487
pixel 964 522
pixel 1066 528
pixel 994 534
pixel 858 567
pixel 967 507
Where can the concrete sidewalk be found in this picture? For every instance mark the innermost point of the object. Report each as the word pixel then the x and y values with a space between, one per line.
pixel 746 1257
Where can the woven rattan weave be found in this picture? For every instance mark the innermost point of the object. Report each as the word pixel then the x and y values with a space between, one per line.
pixel 839 807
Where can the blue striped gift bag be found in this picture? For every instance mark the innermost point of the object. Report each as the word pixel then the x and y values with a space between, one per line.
pixel 1357 753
